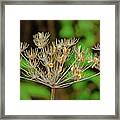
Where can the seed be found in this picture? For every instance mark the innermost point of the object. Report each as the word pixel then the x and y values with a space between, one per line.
pixel 50 65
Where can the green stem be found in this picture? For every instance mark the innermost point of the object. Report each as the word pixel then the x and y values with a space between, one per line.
pixel 52 93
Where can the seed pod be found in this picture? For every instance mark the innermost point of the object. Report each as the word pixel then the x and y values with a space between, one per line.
pixel 50 65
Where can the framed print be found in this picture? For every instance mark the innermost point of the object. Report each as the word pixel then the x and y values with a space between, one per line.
pixel 59 59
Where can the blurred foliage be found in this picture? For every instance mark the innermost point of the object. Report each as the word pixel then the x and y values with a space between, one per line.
pixel 89 33
pixel 30 90
pixel 67 30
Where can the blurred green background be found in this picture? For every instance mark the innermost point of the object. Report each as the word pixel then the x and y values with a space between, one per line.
pixel 88 31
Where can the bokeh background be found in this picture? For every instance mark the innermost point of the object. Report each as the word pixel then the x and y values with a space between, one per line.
pixel 88 31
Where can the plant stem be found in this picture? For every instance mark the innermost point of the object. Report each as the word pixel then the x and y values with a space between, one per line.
pixel 52 93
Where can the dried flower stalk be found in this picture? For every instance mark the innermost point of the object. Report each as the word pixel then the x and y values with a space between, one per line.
pixel 47 62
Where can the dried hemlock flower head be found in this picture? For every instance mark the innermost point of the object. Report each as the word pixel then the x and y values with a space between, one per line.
pixel 41 39
pixel 95 60
pixel 66 42
pixel 31 54
pixel 80 54
pixel 96 47
pixel 23 46
pixel 77 72
pixel 47 62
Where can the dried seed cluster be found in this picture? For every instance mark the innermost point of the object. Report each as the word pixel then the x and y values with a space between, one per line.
pixel 47 61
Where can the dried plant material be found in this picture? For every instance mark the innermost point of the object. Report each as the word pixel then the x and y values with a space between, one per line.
pixel 47 62
pixel 41 39
pixel 31 54
pixel 96 47
pixel 23 46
